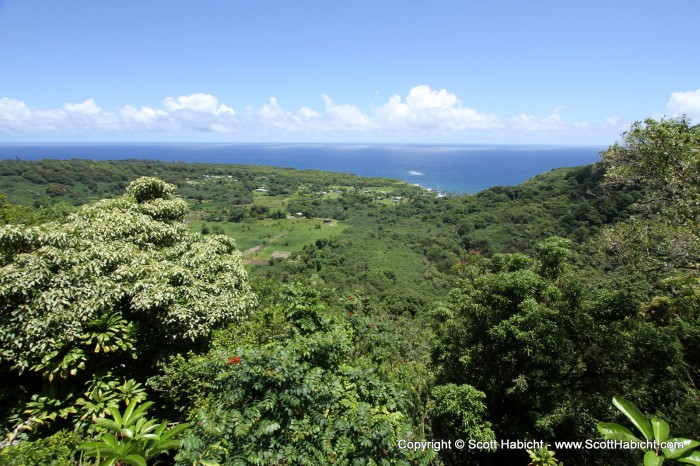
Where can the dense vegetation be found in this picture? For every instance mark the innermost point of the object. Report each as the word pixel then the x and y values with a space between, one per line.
pixel 372 316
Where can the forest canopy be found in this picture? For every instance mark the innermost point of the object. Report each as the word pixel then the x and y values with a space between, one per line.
pixel 329 319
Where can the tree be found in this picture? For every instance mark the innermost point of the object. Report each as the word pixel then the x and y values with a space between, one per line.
pixel 284 389
pixel 513 331
pixel 663 158
pixel 549 350
pixel 118 280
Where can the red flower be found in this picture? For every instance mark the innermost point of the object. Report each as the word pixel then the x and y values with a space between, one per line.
pixel 234 360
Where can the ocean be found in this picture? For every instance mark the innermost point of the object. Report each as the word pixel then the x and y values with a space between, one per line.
pixel 441 167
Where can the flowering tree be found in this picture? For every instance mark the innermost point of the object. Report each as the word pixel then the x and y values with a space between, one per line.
pixel 120 280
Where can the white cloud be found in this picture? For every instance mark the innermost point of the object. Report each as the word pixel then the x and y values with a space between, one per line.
pixel 423 114
pixel 204 103
pixel 89 107
pixel 427 109
pixel 146 118
pixel 145 115
pixel 526 122
pixel 345 116
pixel 14 114
pixel 685 103
pixel 270 117
pixel 226 109
pixel 17 116
pixel 553 126
pixel 307 114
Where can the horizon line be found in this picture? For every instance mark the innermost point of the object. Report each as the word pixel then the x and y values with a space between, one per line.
pixel 295 143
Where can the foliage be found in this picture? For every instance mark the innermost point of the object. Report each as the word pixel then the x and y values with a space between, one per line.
pixel 459 411
pixel 55 450
pixel 535 337
pixel 552 254
pixel 295 399
pixel 663 158
pixel 29 215
pixel 130 438
pixel 546 353
pixel 655 432
pixel 221 185
pixel 543 457
pixel 117 281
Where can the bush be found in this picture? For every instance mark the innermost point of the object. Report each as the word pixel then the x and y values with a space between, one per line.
pixel 56 450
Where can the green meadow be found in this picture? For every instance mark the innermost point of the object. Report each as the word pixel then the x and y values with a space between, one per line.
pixel 260 240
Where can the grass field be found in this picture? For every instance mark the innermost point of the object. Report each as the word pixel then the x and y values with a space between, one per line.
pixel 273 202
pixel 260 239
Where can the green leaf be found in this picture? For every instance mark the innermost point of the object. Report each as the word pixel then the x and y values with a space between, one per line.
pixel 650 459
pixel 107 424
pixel 688 445
pixel 208 463
pixel 175 430
pixel 635 415
pixel 117 416
pixel 132 416
pixel 692 457
pixel 613 431
pixel 165 446
pixel 660 429
pixel 136 460
pixel 160 428
pixel 111 441
pixel 92 448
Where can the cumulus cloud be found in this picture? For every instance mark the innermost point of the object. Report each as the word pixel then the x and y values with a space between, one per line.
pixel 554 125
pixel 685 103
pixel 89 107
pixel 427 109
pixel 526 122
pixel 17 116
pixel 345 116
pixel 423 113
pixel 202 103
pixel 146 118
pixel 14 114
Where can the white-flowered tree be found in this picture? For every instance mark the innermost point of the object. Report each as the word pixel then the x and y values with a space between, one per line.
pixel 90 302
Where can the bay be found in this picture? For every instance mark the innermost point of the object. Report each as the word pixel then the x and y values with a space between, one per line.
pixel 444 168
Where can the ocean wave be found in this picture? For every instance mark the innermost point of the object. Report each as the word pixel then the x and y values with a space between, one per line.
pixel 415 173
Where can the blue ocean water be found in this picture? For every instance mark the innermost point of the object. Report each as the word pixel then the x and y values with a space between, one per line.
pixel 444 168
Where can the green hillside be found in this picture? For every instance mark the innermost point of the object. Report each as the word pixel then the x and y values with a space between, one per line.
pixel 170 313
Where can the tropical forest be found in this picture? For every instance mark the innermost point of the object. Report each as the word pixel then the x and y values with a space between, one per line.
pixel 167 313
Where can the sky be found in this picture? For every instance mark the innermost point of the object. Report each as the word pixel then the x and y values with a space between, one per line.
pixel 499 71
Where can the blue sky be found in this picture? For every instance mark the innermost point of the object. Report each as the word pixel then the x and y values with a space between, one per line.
pixel 359 71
